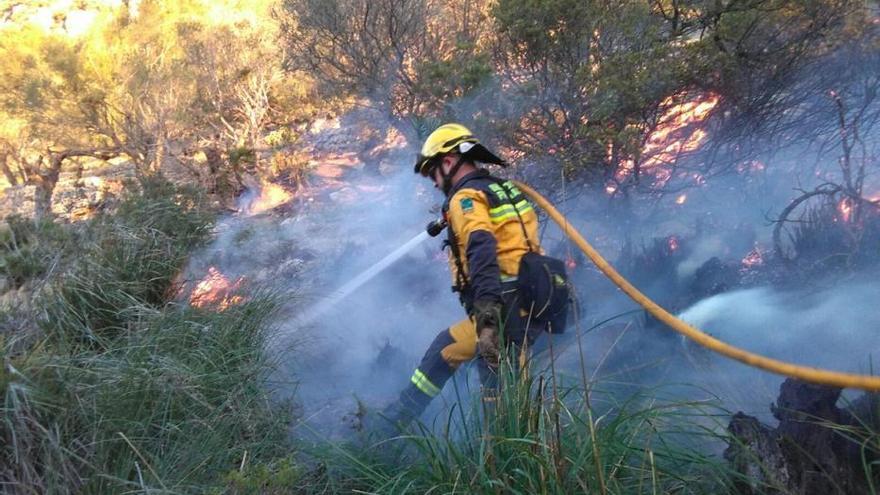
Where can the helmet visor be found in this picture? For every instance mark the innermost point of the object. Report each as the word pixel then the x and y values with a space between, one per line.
pixel 425 165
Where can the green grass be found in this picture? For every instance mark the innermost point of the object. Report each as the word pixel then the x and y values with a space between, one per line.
pixel 29 250
pixel 542 437
pixel 122 390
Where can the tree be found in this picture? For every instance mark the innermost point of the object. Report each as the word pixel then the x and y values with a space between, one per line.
pixel 776 60
pixel 166 83
pixel 407 58
pixel 595 82
pixel 592 81
pixel 42 90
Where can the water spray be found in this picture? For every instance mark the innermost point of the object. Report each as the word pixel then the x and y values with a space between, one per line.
pixel 364 277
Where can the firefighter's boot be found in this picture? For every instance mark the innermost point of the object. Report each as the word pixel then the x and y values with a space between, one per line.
pixel 399 414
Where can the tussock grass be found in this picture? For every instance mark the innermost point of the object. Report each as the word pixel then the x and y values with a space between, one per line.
pixel 173 404
pixel 28 250
pixel 126 391
pixel 541 437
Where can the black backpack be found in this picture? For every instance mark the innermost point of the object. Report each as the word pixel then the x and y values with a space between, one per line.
pixel 542 280
pixel 543 287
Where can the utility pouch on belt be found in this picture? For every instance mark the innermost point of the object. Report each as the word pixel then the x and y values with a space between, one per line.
pixel 543 286
pixel 542 281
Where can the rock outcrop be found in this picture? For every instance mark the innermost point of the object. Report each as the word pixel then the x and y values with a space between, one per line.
pixel 815 450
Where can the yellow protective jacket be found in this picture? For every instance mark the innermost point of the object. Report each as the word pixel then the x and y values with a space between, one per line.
pixel 486 237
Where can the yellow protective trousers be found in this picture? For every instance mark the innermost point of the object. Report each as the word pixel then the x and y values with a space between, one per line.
pixel 458 344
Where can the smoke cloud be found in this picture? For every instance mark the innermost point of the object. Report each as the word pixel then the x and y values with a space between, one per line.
pixel 366 346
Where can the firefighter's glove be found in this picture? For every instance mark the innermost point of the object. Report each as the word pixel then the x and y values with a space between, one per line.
pixel 487 317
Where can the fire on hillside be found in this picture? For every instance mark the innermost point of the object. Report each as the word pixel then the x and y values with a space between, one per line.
pixel 677 132
pixel 271 196
pixel 216 291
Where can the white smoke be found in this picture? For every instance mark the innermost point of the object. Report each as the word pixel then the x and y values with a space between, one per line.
pixel 367 345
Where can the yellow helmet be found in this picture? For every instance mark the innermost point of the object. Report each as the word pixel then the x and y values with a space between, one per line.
pixel 452 138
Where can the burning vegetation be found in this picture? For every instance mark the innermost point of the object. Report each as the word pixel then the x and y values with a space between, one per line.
pixel 677 134
pixel 216 291
pixel 270 196
pixel 647 100
pixel 754 259
pixel 679 131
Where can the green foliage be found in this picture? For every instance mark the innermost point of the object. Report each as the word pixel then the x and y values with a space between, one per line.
pixel 276 478
pixel 280 137
pixel 409 58
pixel 130 256
pixel 581 85
pixel 175 402
pixel 547 32
pixel 128 391
pixel 597 77
pixel 456 76
pixel 28 248
pixel 174 79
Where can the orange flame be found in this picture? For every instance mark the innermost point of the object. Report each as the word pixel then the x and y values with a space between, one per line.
pixel 845 207
pixel 215 290
pixel 271 196
pixel 674 135
pixel 753 259
pixel 681 199
pixel 671 138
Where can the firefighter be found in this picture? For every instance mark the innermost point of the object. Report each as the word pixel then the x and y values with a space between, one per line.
pixel 491 226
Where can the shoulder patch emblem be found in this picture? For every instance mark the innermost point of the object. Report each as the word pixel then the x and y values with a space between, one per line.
pixel 467 205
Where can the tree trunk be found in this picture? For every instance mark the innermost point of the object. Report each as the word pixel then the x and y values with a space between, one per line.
pixel 43 200
pixel 159 155
pixel 7 172
pixel 215 163
pixel 45 183
pixel 807 453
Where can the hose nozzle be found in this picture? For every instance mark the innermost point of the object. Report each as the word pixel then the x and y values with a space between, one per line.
pixel 435 227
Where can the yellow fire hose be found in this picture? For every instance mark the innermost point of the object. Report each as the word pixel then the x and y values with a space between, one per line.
pixel 805 373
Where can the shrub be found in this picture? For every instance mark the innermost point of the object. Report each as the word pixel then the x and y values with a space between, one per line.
pixel 127 264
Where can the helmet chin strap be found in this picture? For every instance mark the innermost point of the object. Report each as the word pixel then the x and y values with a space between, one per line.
pixel 447 178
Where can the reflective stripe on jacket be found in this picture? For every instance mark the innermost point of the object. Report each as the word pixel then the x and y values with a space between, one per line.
pixel 486 230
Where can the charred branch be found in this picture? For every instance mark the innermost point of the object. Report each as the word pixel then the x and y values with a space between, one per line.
pixel 784 216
